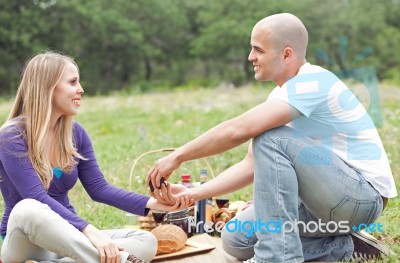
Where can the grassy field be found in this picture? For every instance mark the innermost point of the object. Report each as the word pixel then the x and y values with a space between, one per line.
pixel 124 127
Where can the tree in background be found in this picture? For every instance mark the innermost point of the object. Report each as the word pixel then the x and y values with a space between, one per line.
pixel 167 43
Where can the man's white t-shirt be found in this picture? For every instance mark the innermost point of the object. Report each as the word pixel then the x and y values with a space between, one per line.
pixel 332 115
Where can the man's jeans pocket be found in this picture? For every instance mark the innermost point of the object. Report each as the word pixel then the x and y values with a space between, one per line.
pixel 356 212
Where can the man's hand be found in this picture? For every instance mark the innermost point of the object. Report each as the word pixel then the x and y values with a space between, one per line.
pixel 163 168
pixel 180 191
pixel 108 249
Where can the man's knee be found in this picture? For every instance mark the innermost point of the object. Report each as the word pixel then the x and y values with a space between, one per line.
pixel 273 134
pixel 236 245
pixel 268 135
pixel 229 243
pixel 227 239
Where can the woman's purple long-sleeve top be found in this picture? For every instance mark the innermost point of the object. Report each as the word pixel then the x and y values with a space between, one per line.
pixel 19 180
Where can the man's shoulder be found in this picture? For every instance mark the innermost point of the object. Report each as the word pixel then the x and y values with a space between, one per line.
pixel 314 77
pixel 308 68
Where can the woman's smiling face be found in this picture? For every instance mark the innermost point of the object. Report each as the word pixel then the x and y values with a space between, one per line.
pixel 68 92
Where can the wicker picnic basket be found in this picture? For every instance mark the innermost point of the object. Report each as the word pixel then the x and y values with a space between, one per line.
pixel 147 222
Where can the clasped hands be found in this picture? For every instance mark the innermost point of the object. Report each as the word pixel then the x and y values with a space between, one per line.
pixel 167 193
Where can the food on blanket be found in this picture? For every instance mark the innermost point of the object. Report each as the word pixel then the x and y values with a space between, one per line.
pixel 237 206
pixel 159 216
pixel 222 202
pixel 223 215
pixel 147 222
pixel 209 212
pixel 170 238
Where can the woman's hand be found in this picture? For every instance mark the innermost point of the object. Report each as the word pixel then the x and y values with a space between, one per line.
pixel 167 201
pixel 108 250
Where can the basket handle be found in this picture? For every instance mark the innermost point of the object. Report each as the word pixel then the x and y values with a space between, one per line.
pixel 135 161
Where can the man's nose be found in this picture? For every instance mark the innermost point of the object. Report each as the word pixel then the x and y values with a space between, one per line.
pixel 251 56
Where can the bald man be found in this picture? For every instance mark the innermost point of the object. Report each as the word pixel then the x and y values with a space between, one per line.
pixel 316 160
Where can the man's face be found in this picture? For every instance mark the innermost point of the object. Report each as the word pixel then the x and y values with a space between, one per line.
pixel 265 58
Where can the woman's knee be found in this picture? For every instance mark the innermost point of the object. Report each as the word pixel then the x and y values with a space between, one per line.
pixel 151 241
pixel 150 245
pixel 27 208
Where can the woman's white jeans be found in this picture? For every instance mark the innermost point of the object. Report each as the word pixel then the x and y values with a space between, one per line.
pixel 36 232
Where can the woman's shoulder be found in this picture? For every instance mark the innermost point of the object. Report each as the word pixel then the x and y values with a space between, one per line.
pixel 12 134
pixel 79 132
pixel 13 128
pixel 76 127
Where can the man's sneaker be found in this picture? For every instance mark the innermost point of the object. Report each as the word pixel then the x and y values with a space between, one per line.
pixel 252 260
pixel 133 259
pixel 367 247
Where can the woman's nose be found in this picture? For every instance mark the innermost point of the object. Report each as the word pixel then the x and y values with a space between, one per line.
pixel 80 90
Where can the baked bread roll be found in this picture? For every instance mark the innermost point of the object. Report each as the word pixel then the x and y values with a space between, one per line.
pixel 170 238
pixel 147 222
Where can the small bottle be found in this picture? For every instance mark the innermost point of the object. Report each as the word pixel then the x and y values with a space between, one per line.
pixel 186 181
pixel 201 205
pixel 203 176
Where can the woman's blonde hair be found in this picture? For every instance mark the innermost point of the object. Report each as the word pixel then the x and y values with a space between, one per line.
pixel 32 109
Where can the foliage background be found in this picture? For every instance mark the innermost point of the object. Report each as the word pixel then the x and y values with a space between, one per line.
pixel 140 45
pixel 122 127
pixel 164 71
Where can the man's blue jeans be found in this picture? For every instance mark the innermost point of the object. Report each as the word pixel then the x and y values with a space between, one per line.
pixel 297 179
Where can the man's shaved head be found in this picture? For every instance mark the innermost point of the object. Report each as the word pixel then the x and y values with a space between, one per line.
pixel 285 30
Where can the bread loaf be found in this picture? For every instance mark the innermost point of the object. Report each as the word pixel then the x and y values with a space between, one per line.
pixel 170 238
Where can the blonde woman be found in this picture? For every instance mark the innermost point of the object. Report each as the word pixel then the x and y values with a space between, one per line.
pixel 42 155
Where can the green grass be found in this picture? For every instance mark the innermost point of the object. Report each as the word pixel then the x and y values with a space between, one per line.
pixel 124 127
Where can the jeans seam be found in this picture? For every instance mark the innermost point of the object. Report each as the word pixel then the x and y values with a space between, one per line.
pixel 337 244
pixel 295 260
pixel 373 214
pixel 279 187
pixel 320 157
pixel 316 153
pixel 370 213
pixel 278 179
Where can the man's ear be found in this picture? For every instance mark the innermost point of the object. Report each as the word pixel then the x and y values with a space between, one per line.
pixel 287 54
